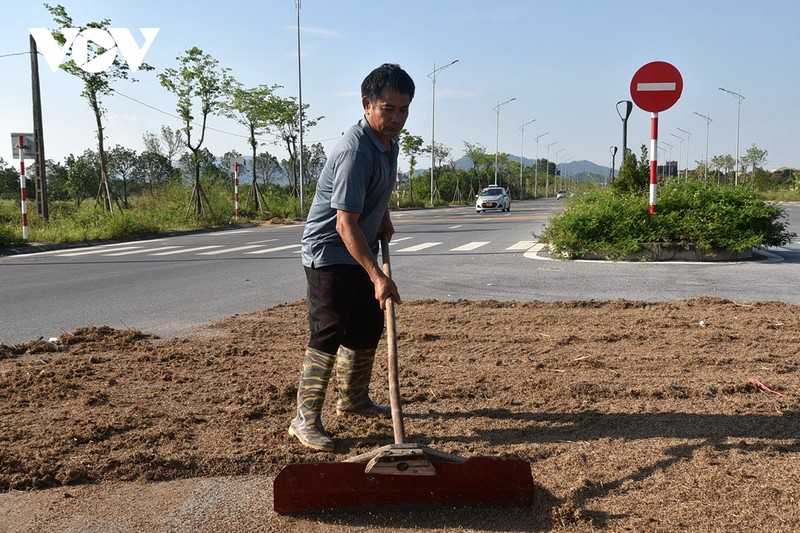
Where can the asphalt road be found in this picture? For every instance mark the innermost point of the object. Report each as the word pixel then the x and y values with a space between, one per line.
pixel 173 285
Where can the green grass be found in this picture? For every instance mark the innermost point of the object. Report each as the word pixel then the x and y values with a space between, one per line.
pixel 147 214
pixel 689 214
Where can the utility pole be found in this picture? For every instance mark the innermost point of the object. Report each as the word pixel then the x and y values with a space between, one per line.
pixel 38 136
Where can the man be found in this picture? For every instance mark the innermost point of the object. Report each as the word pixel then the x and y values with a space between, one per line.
pixel 347 289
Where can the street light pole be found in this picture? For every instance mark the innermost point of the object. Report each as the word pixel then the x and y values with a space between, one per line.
pixel 739 99
pixel 497 135
pixel 300 111
pixel 432 76
pixel 680 152
pixel 547 179
pixel 708 125
pixel 536 167
pixel 670 155
pixel 555 175
pixel 688 136
pixel 521 149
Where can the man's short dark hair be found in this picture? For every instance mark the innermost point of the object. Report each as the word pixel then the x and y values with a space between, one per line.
pixel 387 76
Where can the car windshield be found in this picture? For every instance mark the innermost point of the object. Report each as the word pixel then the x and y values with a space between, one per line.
pixel 492 192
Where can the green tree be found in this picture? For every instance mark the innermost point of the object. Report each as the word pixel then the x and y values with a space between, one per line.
pixel 755 157
pixel 154 170
pixel 411 146
pixel 199 82
pixel 268 166
pixel 170 144
pixel 287 128
pixel 477 154
pixel 95 85
pixel 633 175
pixel 81 175
pixel 9 181
pixel 254 109
pixel 122 164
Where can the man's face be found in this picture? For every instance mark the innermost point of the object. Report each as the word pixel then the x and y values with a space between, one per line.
pixel 388 114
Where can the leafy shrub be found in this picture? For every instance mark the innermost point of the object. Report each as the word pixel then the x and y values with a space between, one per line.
pixel 690 214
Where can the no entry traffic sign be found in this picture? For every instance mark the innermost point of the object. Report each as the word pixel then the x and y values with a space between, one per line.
pixel 656 86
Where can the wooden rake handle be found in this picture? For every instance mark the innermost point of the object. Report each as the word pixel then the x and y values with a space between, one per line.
pixel 391 342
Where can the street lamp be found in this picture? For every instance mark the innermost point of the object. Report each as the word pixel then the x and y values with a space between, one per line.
pixel 613 150
pixel 497 135
pixel 688 136
pixel 432 76
pixel 624 116
pixel 708 125
pixel 300 110
pixel 555 175
pixel 521 149
pixel 680 152
pixel 536 167
pixel 670 155
pixel 739 99
pixel 547 179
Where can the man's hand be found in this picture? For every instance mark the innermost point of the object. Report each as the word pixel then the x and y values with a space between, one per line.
pixel 385 288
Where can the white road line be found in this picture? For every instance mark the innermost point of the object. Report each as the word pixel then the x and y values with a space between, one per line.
pixel 522 245
pixel 276 249
pixel 419 247
pixel 262 242
pixel 469 246
pixel 401 239
pixel 456 227
pixel 230 250
pixel 189 250
pixel 233 232
pixel 143 251
pixel 97 251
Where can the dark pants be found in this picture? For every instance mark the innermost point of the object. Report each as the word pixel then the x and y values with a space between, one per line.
pixel 342 309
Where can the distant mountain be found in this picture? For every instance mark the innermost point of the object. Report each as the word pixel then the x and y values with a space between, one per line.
pixel 582 169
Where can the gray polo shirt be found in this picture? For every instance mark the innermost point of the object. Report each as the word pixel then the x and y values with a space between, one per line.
pixel 358 177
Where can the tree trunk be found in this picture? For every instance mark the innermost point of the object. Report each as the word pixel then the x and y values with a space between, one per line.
pixel 254 185
pixel 103 190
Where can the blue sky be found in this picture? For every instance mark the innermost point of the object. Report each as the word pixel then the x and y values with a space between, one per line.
pixel 566 62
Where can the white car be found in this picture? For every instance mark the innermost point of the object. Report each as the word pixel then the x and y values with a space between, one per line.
pixel 561 194
pixel 493 197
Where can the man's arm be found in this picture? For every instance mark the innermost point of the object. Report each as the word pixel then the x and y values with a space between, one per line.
pixel 356 243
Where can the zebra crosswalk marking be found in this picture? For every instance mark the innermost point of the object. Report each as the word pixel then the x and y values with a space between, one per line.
pixel 188 250
pixel 229 250
pixel 142 251
pixel 521 245
pixel 276 249
pixel 418 247
pixel 469 246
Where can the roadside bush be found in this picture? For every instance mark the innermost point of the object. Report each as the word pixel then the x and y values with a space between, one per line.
pixel 689 214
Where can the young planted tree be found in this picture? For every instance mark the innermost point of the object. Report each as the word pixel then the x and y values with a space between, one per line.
pixel 755 157
pixel 170 144
pixel 95 85
pixel 122 163
pixel 199 83
pixel 254 109
pixel 477 154
pixel 285 122
pixel 411 146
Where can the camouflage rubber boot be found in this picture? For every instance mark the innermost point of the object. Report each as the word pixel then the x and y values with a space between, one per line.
pixel 307 425
pixel 353 374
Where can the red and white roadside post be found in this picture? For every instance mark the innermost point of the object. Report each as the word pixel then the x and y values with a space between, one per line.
pixel 653 163
pixel 236 189
pixel 236 162
pixel 23 147
pixel 23 189
pixel 655 87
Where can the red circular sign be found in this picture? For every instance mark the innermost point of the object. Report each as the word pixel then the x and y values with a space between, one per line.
pixel 656 86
